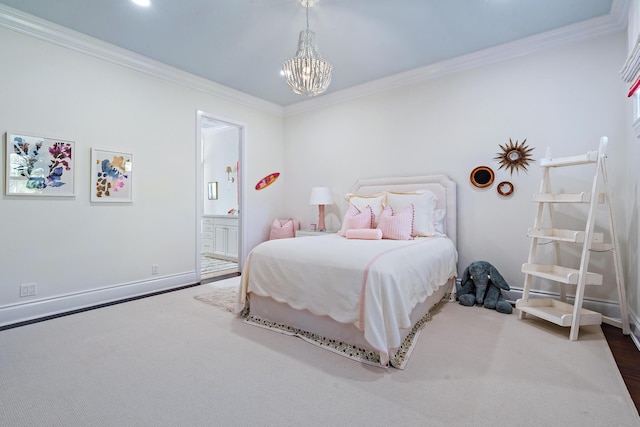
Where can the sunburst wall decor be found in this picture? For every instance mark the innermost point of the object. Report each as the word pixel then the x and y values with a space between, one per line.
pixel 514 156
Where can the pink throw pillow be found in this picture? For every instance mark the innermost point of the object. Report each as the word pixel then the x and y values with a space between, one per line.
pixel 282 229
pixel 354 219
pixel 376 201
pixel 398 226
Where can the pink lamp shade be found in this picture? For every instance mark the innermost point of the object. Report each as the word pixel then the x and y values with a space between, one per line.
pixel 320 196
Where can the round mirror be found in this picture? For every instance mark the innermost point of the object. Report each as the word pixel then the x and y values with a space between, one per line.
pixel 514 156
pixel 505 188
pixel 482 176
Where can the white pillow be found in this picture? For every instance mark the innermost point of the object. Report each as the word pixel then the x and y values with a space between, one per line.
pixel 439 221
pixel 424 205
pixel 375 201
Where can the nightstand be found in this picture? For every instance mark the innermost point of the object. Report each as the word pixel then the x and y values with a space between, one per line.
pixel 309 233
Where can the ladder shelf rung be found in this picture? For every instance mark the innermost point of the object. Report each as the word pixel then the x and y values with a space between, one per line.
pixel 601 247
pixel 580 159
pixel 560 274
pixel 558 312
pixel 583 197
pixel 569 236
pixel 572 236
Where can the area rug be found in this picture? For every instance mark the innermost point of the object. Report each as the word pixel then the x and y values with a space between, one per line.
pixel 224 298
pixel 213 265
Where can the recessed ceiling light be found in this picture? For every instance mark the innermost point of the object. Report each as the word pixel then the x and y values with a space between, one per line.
pixel 142 2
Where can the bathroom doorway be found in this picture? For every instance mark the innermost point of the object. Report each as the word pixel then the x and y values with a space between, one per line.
pixel 219 236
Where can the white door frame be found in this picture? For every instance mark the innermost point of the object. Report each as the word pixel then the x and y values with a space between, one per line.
pixel 242 238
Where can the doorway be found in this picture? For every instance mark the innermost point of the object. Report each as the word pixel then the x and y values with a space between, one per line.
pixel 219 241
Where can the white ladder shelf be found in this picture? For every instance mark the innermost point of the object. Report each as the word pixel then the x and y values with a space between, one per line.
pixel 559 311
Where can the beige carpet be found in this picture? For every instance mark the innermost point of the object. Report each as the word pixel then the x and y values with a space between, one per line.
pixel 171 360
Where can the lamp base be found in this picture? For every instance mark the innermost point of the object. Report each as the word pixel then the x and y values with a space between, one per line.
pixel 321 226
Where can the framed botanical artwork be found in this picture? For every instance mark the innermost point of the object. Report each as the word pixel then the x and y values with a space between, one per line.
pixel 39 166
pixel 111 176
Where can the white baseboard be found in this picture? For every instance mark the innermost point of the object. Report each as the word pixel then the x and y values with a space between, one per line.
pixel 35 309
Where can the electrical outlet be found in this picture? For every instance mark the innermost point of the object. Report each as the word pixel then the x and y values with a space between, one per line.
pixel 27 290
pixel 154 269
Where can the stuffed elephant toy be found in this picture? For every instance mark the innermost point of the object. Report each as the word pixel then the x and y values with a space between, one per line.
pixel 481 283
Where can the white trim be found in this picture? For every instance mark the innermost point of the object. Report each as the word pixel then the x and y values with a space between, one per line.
pixel 242 217
pixel 24 23
pixel 635 100
pixel 634 337
pixel 34 309
pixel 636 128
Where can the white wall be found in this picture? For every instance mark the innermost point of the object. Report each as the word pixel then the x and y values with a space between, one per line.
pixel 80 253
pixel 566 98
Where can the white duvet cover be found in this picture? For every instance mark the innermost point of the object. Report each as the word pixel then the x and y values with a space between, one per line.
pixel 373 284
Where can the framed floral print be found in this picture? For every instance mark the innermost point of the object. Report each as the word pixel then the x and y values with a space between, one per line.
pixel 39 166
pixel 111 176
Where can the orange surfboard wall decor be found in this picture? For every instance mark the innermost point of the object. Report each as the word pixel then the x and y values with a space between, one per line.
pixel 267 180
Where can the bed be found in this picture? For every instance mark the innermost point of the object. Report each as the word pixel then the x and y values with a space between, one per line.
pixel 364 299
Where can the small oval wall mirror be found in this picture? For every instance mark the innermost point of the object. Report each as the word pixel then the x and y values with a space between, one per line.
pixel 482 176
pixel 505 188
pixel 514 156
pixel 213 190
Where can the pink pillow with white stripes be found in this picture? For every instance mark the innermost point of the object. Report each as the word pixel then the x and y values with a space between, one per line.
pixel 375 201
pixel 356 219
pixel 397 226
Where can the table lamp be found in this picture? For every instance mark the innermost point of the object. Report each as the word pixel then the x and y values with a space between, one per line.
pixel 320 196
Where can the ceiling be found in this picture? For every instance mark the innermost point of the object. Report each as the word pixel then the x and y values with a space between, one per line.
pixel 243 43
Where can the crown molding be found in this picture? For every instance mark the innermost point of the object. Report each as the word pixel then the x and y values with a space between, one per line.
pixel 614 21
pixel 15 20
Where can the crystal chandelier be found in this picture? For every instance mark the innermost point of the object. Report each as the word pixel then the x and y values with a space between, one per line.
pixel 307 73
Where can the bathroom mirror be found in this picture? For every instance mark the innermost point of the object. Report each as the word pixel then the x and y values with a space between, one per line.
pixel 482 176
pixel 213 190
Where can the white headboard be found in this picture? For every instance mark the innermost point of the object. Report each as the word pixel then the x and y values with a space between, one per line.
pixel 440 185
